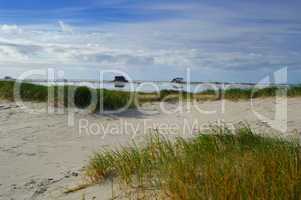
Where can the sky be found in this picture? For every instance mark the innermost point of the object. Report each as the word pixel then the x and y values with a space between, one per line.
pixel 225 40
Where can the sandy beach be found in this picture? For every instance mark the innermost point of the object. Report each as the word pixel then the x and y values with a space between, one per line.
pixel 41 155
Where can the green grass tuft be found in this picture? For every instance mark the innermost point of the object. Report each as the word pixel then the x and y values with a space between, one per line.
pixel 230 165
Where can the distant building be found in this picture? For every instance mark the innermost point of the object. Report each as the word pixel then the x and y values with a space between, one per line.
pixel 177 80
pixel 8 78
pixel 120 79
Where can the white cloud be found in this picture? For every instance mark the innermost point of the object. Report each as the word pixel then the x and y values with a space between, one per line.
pixel 10 29
pixel 210 38
pixel 8 54
pixel 65 27
pixel 179 44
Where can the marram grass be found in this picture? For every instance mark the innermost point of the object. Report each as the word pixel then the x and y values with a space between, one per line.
pixel 232 165
pixel 113 100
pixel 73 96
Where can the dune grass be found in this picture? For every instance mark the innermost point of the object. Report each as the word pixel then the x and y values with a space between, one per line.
pixel 232 94
pixel 237 93
pixel 112 100
pixel 221 165
pixel 79 97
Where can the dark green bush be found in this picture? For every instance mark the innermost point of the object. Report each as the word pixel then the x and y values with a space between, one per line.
pixel 31 92
pixel 82 97
pixel 112 100
pixel 7 90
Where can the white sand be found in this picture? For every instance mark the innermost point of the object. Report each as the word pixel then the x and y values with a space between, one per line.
pixel 40 155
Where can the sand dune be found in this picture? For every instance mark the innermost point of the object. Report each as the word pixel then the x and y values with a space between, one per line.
pixel 41 154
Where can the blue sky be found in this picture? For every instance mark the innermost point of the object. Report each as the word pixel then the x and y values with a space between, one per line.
pixel 226 40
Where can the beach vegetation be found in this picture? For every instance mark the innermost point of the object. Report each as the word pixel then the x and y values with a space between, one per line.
pixel 219 164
